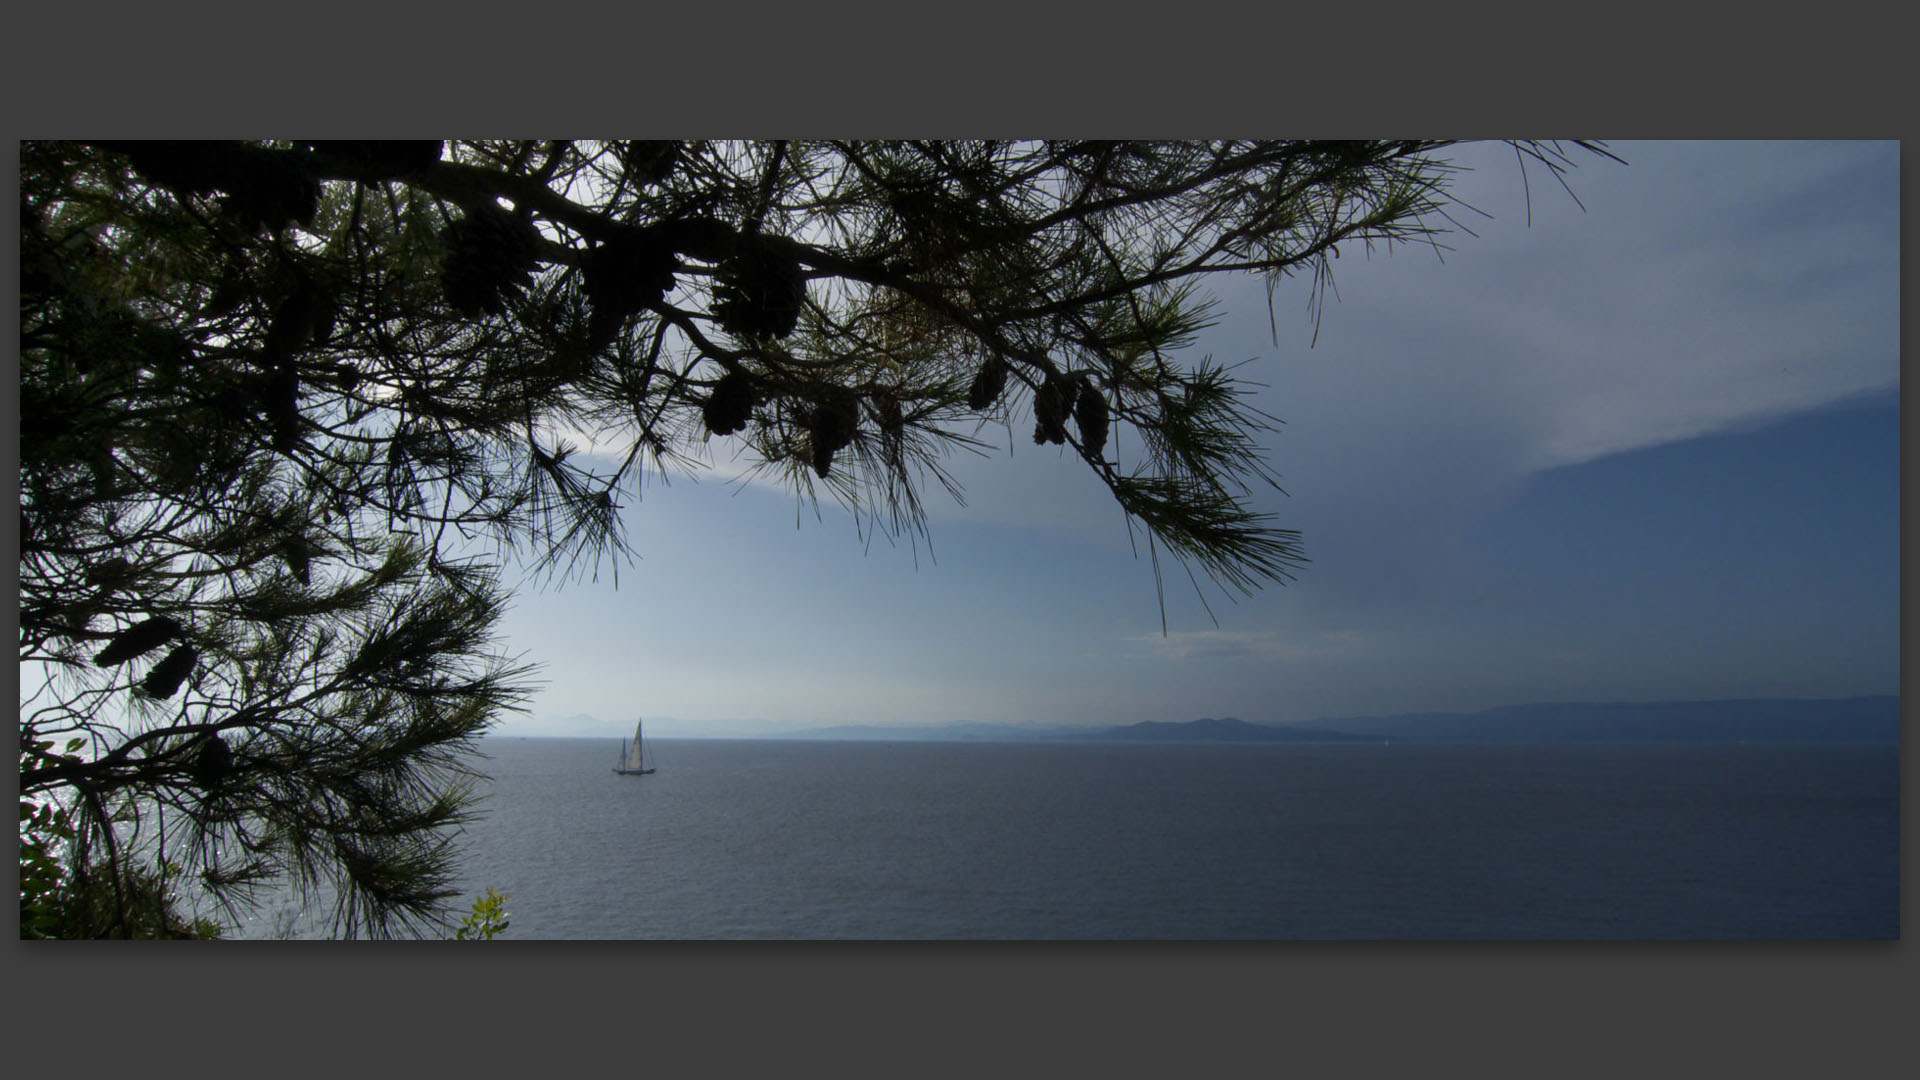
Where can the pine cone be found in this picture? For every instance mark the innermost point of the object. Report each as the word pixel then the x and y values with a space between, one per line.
pixel 299 558
pixel 730 405
pixel 269 189
pixel 987 384
pixel 832 427
pixel 651 159
pixel 212 764
pixel 759 292
pixel 230 291
pixel 491 256
pixel 295 321
pixel 623 276
pixel 628 272
pixel 1051 403
pixel 168 674
pixel 1090 410
pixel 137 640
pixel 109 574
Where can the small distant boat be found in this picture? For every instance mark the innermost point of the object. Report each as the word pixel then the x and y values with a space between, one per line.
pixel 633 758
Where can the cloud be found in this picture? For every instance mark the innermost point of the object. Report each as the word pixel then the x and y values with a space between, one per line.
pixel 1709 286
pixel 1706 287
pixel 1256 645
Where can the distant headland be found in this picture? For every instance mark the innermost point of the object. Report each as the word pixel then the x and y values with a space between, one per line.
pixel 1824 720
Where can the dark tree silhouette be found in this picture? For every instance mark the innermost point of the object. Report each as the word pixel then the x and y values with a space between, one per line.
pixel 285 404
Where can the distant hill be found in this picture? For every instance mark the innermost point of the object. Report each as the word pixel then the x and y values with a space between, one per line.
pixel 1208 729
pixel 1225 729
pixel 933 732
pixel 1852 720
pixel 1848 720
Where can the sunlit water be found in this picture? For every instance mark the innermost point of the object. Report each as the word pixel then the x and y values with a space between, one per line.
pixel 788 840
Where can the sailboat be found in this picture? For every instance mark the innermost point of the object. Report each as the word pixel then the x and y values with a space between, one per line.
pixel 633 761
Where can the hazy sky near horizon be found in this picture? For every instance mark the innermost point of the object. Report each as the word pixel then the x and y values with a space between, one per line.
pixel 1648 450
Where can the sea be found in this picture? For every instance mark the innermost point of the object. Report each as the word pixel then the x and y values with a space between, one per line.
pixel 858 840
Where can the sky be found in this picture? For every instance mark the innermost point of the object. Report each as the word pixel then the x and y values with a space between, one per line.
pixel 1644 450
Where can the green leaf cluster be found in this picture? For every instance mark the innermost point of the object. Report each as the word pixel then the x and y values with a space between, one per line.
pixel 486 920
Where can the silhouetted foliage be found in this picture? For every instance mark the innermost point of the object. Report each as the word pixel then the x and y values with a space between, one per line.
pixel 275 396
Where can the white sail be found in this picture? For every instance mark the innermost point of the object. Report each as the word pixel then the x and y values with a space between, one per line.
pixel 633 757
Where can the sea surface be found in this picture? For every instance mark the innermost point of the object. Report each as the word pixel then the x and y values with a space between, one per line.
pixel 1117 841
